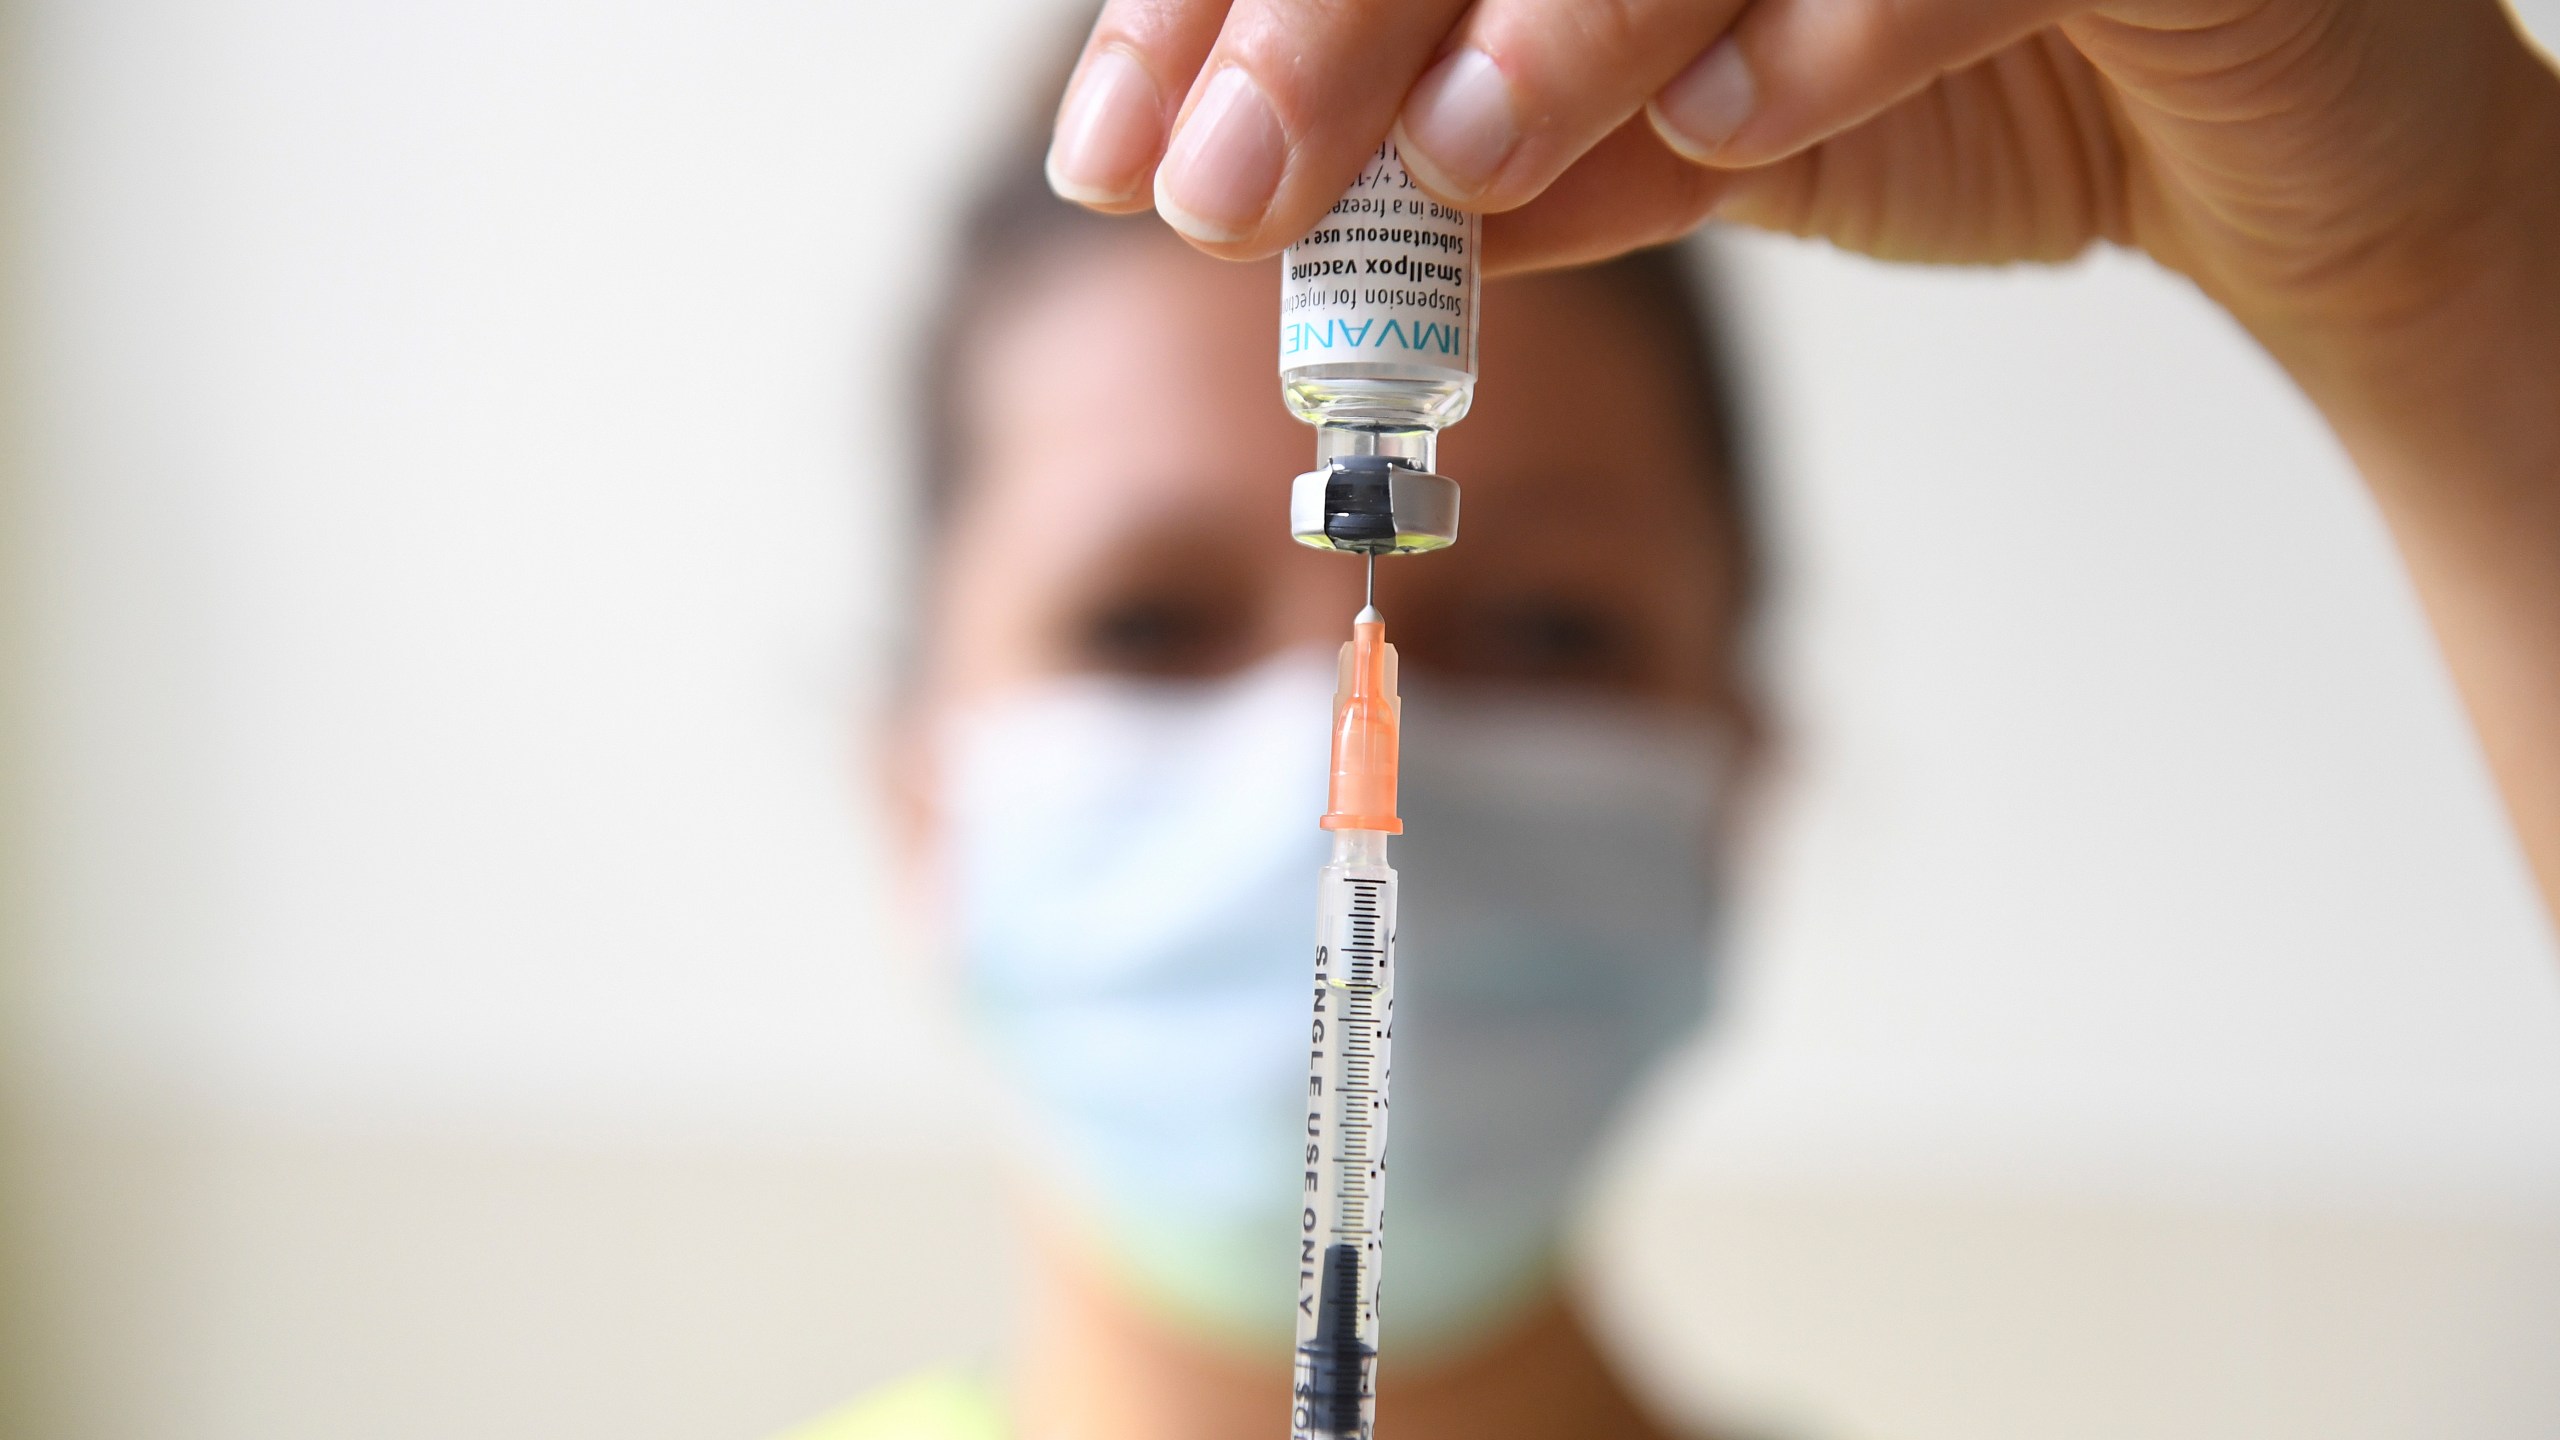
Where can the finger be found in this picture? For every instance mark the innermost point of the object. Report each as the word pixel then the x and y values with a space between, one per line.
pixel 1290 103
pixel 1793 73
pixel 1525 87
pixel 1628 192
pixel 1119 105
pixel 2001 162
pixel 1986 165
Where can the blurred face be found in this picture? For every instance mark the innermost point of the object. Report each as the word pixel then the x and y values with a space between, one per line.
pixel 1126 509
pixel 1123 720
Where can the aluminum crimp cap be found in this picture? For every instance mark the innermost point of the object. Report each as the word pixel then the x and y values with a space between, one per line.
pixel 1373 505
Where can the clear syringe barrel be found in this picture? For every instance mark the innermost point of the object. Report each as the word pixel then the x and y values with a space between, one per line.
pixel 1341 1226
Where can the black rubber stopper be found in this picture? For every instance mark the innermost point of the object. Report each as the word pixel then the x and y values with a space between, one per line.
pixel 1359 502
pixel 1339 1362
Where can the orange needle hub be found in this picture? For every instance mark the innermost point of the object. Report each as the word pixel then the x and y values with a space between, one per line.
pixel 1366 713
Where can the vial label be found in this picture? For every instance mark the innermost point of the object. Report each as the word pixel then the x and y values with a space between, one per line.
pixel 1387 276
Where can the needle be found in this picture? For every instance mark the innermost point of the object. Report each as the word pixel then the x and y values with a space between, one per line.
pixel 1369 591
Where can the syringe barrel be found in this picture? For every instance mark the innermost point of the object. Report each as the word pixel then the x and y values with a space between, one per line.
pixel 1342 1217
pixel 1360 849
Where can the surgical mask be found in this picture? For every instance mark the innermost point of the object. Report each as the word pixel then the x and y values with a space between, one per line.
pixel 1135 876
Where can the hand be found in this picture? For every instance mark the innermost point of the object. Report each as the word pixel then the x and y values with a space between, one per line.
pixel 2283 152
pixel 2372 187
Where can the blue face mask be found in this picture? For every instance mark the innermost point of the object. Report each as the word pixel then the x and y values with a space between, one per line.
pixel 1135 870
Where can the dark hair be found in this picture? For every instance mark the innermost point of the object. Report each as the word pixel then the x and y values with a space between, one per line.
pixel 1015 225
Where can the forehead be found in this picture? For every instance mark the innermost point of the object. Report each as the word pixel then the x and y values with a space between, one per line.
pixel 1131 376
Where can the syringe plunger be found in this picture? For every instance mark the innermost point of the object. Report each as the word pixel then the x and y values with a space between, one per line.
pixel 1338 1360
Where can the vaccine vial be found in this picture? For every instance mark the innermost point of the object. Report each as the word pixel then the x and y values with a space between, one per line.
pixel 1378 321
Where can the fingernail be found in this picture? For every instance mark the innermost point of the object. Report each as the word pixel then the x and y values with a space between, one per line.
pixel 1107 133
pixel 1218 180
pixel 1705 104
pixel 1460 124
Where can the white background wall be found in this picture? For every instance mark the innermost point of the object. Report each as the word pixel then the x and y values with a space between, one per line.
pixel 460 554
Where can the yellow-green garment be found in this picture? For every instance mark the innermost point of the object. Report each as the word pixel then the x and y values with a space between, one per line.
pixel 939 1405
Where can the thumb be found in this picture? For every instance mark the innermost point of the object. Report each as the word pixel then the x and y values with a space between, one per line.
pixel 1793 73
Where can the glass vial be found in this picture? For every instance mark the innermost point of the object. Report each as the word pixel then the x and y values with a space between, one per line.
pixel 1378 319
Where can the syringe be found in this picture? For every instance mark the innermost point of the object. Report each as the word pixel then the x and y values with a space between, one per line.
pixel 1342 1223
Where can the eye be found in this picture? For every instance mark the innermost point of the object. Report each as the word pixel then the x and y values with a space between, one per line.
pixel 1555 638
pixel 1161 634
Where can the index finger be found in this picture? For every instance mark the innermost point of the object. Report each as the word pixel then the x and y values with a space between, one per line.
pixel 1286 99
pixel 1120 103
